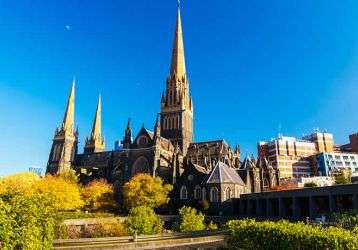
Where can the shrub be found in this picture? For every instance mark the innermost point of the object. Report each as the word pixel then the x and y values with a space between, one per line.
pixel 191 220
pixel 211 226
pixel 26 222
pixel 310 184
pixel 343 176
pixel 249 234
pixel 145 190
pixel 143 220
pixel 347 220
pixel 204 204
pixel 98 195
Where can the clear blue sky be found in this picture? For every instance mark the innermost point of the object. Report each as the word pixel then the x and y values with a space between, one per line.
pixel 255 68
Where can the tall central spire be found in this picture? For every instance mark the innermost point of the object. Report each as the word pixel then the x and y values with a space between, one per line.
pixel 176 107
pixel 69 118
pixel 177 66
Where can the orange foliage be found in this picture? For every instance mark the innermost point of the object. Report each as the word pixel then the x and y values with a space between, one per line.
pixel 98 195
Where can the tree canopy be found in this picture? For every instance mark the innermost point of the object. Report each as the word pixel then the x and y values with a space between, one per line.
pixel 23 183
pixel 143 220
pixel 98 195
pixel 145 190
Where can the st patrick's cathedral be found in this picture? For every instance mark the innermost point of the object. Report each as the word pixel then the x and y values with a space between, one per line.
pixel 209 170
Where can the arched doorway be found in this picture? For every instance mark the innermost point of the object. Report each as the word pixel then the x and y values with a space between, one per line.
pixel 141 165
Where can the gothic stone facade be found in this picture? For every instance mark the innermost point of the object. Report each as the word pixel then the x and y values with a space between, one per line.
pixel 168 151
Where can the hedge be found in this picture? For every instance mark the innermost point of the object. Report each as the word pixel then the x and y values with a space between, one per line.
pixel 250 234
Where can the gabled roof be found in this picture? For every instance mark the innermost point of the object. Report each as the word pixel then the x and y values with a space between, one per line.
pixel 150 133
pixel 200 169
pixel 222 173
pixel 144 131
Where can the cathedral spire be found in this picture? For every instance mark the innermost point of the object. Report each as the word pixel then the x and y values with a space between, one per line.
pixel 176 111
pixel 96 142
pixel 127 140
pixel 64 144
pixel 177 66
pixel 69 118
pixel 96 129
pixel 157 127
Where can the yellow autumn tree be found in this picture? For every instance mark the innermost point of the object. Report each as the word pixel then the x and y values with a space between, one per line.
pixel 21 183
pixel 145 190
pixel 98 195
pixel 64 193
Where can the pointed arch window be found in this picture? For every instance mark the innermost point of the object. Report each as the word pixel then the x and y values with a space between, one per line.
pixel 183 193
pixel 203 193
pixel 228 193
pixel 197 193
pixel 214 194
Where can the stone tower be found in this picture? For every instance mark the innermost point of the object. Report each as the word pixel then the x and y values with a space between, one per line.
pixel 64 145
pixel 127 139
pixel 176 116
pixel 95 143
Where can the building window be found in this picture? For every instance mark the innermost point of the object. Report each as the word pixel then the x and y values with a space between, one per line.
pixel 337 157
pixel 197 193
pixel 227 193
pixel 203 196
pixel 214 194
pixel 354 163
pixel 352 157
pixel 183 193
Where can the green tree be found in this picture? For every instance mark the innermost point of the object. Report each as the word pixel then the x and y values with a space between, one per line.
pixel 343 176
pixel 191 220
pixel 143 220
pixel 145 190
pixel 26 222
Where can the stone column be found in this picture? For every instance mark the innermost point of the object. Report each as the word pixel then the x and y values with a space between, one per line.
pixel 295 208
pixel 355 201
pixel 268 208
pixel 312 207
pixel 281 208
pixel 258 208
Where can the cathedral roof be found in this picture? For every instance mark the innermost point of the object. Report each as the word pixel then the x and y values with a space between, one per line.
pixel 216 145
pixel 201 169
pixel 150 133
pixel 222 173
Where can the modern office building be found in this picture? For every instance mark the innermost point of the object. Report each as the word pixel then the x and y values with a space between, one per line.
pixel 327 162
pixel 294 157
